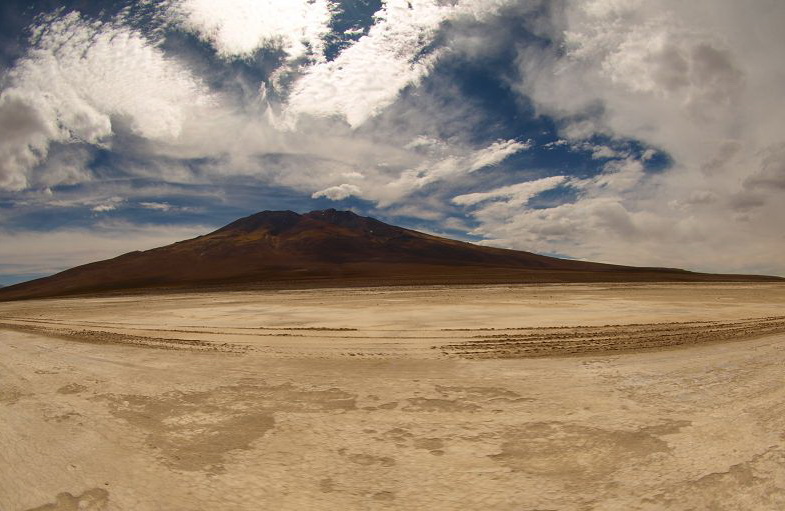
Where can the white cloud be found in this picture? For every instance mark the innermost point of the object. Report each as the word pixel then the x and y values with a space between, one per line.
pixel 426 145
pixel 443 163
pixel 81 78
pixel 597 151
pixel 103 208
pixel 368 75
pixel 497 152
pixel 166 207
pixel 339 192
pixel 238 28
pixel 617 176
pixel 604 229
pixel 517 194
pixel 159 206
pixel 705 90
pixel 76 81
pixel 65 164
pixel 24 140
pixel 109 204
pixel 496 208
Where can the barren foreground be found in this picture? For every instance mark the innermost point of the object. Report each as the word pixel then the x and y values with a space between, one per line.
pixel 549 397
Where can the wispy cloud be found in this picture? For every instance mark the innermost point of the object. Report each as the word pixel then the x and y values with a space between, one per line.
pixel 517 194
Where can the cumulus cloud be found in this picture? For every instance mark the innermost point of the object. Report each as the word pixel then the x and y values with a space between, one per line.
pixel 25 140
pixel 238 28
pixel 79 78
pixel 339 192
pixel 397 51
pixel 82 81
pixel 703 90
pixel 367 76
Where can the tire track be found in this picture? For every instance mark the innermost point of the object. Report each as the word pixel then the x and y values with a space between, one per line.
pixel 559 341
pixel 102 337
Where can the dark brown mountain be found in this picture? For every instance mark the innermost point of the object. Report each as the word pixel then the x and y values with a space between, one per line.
pixel 279 249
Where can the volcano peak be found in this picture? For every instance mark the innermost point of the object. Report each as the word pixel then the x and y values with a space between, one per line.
pixel 334 248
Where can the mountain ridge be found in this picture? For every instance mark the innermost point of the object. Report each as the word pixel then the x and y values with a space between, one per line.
pixel 329 248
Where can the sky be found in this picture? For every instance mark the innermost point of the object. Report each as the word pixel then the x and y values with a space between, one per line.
pixel 639 132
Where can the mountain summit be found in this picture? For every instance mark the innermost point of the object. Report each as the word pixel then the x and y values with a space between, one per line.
pixel 328 248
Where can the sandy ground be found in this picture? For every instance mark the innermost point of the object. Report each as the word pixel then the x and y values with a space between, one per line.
pixel 525 398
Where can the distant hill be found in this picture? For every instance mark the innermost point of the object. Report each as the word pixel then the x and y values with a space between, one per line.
pixel 329 248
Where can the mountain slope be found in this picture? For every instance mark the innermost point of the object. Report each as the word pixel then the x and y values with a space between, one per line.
pixel 283 248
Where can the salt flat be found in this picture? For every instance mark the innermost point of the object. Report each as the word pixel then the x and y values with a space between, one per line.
pixel 655 396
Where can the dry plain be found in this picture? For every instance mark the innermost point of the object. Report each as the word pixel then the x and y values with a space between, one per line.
pixel 546 397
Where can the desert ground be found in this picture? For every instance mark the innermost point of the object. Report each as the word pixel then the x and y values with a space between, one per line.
pixel 524 398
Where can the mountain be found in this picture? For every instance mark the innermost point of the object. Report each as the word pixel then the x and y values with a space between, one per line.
pixel 328 248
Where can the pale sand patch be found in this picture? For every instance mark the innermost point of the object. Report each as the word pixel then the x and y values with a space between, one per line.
pixel 362 399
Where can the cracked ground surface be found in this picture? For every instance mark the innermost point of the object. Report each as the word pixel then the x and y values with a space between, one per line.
pixel 420 398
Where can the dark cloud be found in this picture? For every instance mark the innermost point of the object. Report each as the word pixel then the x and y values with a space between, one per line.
pixel 771 175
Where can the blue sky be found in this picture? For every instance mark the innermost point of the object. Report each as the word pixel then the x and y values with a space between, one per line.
pixel 646 133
